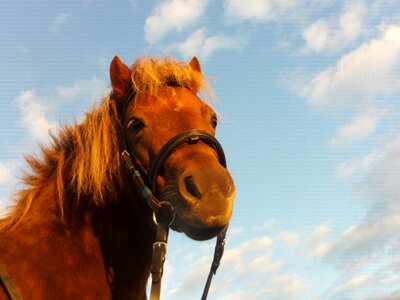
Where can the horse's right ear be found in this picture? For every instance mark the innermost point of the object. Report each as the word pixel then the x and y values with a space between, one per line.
pixel 120 75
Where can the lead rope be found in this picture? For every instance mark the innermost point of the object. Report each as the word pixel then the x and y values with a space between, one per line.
pixel 157 266
pixel 218 252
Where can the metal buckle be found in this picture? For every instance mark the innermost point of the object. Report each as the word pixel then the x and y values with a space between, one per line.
pixel 159 245
pixel 171 208
pixel 193 139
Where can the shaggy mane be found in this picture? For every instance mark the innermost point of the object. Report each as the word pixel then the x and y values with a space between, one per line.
pixel 83 160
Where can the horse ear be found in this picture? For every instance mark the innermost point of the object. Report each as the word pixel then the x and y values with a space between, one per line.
pixel 195 65
pixel 120 75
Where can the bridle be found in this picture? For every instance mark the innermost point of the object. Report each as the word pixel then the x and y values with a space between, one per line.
pixel 163 211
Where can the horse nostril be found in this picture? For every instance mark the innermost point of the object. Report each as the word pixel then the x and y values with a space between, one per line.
pixel 191 187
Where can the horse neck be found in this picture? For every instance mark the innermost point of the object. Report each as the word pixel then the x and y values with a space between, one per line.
pixel 122 231
pixel 126 232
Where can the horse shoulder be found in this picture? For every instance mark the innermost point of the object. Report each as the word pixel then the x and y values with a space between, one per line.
pixel 55 265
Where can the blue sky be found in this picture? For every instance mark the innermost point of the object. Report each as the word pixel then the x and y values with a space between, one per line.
pixel 309 100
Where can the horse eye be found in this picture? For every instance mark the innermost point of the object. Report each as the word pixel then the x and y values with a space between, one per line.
pixel 214 121
pixel 135 125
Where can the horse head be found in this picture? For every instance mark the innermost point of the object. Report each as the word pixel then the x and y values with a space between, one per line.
pixel 192 177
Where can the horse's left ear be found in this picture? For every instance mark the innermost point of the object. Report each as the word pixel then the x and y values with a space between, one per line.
pixel 195 65
pixel 120 75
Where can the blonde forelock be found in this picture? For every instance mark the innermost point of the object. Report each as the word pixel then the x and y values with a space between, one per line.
pixel 150 75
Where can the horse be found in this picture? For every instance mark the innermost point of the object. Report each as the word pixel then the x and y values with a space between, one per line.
pixel 80 228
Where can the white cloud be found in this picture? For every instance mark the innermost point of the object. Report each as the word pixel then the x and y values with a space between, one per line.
pixel 374 285
pixel 268 224
pixel 360 77
pixel 379 283
pixel 316 35
pixel 59 22
pixel 353 283
pixel 395 295
pixel 203 45
pixel 235 231
pixel 33 109
pixel 361 126
pixel 289 238
pixel 315 244
pixel 232 256
pixel 338 31
pixel 4 207
pixel 322 230
pixel 263 263
pixel 360 244
pixel 172 15
pixel 351 21
pixel 381 181
pixel 238 266
pixel 89 90
pixel 250 270
pixel 373 243
pixel 284 287
pixel 363 83
pixel 5 172
pixel 288 286
pixel 319 251
pixel 379 171
pixel 258 10
pixel 8 181
pixel 193 281
pixel 350 168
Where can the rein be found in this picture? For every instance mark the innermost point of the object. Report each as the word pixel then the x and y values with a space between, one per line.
pixel 8 286
pixel 163 211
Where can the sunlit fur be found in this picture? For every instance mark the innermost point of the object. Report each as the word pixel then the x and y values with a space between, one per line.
pixel 150 75
pixel 84 159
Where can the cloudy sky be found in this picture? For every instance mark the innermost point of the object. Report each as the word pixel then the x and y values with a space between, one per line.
pixel 309 101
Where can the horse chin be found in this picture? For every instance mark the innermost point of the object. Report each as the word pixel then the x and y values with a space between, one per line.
pixel 195 232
